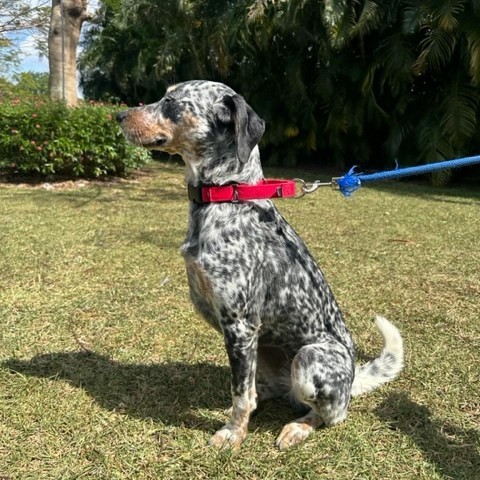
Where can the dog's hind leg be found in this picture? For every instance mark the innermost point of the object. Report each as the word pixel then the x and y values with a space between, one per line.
pixel 321 375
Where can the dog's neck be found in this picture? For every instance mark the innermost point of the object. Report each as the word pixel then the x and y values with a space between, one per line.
pixel 216 171
pixel 211 168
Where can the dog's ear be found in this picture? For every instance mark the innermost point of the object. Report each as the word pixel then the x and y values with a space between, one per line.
pixel 249 127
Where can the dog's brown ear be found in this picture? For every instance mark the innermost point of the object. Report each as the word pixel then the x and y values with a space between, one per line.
pixel 249 127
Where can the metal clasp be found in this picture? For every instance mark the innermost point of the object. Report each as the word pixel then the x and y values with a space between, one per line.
pixel 310 187
pixel 235 198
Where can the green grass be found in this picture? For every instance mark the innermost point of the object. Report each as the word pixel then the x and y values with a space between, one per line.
pixel 106 372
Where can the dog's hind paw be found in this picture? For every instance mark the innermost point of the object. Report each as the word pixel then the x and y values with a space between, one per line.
pixel 228 437
pixel 292 434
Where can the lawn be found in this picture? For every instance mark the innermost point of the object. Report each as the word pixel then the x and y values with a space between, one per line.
pixel 106 371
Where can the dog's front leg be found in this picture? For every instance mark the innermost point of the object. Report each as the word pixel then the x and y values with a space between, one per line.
pixel 241 342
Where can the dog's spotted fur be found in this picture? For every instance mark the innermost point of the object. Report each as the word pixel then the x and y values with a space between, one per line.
pixel 251 276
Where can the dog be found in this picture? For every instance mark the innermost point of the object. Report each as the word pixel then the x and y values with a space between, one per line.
pixel 251 276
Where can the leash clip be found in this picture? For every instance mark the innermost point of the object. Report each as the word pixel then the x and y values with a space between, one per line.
pixel 311 187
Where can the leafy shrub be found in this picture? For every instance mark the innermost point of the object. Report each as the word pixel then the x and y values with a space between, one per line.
pixel 41 137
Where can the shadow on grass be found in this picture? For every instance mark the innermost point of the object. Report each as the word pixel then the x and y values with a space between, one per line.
pixel 169 392
pixel 453 450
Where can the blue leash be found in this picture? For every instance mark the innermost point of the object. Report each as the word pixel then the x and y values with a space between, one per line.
pixel 352 181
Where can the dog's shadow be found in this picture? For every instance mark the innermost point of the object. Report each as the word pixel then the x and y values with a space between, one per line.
pixel 176 392
pixel 454 451
pixel 172 392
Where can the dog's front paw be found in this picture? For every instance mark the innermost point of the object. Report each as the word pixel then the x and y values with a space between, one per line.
pixel 292 434
pixel 228 436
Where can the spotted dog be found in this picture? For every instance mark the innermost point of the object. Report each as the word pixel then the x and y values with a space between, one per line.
pixel 251 276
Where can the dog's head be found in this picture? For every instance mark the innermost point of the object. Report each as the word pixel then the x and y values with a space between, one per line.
pixel 199 120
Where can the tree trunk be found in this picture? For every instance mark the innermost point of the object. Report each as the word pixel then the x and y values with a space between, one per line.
pixel 62 48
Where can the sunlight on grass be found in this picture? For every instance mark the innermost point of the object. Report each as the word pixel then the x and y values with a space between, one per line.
pixel 108 373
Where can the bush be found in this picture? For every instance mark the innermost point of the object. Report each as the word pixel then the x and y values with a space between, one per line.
pixel 41 137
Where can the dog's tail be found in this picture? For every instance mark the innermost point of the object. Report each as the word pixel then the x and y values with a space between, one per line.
pixel 385 367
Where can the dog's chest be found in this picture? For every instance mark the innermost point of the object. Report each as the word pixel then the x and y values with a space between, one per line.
pixel 201 291
pixel 217 262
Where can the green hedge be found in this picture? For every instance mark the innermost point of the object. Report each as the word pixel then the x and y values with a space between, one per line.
pixel 42 137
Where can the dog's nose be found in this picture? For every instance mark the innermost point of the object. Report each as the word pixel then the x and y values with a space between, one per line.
pixel 121 116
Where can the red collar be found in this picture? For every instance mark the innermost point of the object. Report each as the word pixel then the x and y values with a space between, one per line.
pixel 241 192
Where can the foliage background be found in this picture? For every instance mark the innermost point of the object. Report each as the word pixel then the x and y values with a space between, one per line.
pixel 339 82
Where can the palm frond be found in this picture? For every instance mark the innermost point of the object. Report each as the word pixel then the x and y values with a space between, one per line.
pixel 434 145
pixel 256 10
pixel 474 48
pixel 436 50
pixel 412 18
pixel 394 58
pixel 471 26
pixel 370 19
pixel 339 20
pixel 459 107
pixel 446 15
pixel 334 11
